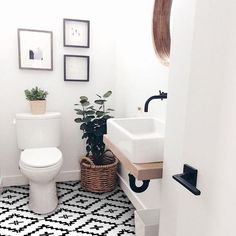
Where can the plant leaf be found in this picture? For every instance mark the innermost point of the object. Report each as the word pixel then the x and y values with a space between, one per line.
pixel 83 98
pixel 90 112
pixel 88 148
pixel 100 113
pixel 99 96
pixel 87 119
pixel 107 94
pixel 79 111
pixel 35 94
pixel 83 126
pixel 90 107
pixel 84 103
pixel 92 117
pixel 100 101
pixel 78 120
pixel 107 117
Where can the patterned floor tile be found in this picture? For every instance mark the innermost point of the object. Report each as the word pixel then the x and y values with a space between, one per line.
pixel 14 197
pixel 47 230
pixel 66 218
pixel 113 213
pixel 122 230
pixel 76 201
pixel 3 212
pixel 14 222
pixel 79 213
pixel 95 227
pixel 70 185
pixel 118 196
pixel 24 210
pixel 62 192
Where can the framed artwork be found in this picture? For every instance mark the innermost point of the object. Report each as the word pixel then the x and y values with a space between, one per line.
pixel 35 49
pixel 76 68
pixel 76 33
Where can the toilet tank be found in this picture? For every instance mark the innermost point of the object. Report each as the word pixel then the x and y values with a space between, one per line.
pixel 36 131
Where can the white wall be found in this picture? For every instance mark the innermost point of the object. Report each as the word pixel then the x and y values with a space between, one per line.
pixel 183 12
pixel 48 15
pixel 139 75
pixel 207 123
pixel 139 72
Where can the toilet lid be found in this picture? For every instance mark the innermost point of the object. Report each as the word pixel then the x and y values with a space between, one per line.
pixel 41 157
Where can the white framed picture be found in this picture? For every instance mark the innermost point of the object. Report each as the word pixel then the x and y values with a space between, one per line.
pixel 35 49
pixel 76 68
pixel 76 33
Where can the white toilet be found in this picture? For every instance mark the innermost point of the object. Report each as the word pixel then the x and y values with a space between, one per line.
pixel 38 136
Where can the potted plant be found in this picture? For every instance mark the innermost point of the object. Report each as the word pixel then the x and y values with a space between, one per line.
pixel 99 167
pixel 37 98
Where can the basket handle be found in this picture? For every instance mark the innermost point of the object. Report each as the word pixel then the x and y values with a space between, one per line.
pixel 87 160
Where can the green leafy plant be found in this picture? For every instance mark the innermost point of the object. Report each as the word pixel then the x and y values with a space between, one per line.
pixel 36 94
pixel 93 121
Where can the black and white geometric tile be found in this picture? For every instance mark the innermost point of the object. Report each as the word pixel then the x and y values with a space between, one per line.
pixel 78 213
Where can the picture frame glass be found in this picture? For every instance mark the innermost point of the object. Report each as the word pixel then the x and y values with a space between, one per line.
pixel 35 49
pixel 76 68
pixel 76 33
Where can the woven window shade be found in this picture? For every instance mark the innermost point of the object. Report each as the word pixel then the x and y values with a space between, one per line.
pixel 161 29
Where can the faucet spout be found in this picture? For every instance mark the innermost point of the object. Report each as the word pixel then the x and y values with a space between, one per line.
pixel 161 96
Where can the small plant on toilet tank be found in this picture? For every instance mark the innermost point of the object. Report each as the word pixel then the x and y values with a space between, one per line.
pixel 97 165
pixel 37 98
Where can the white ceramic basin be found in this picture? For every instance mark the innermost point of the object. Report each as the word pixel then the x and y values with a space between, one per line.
pixel 140 139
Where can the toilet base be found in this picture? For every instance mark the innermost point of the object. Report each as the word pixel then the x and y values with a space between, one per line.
pixel 43 197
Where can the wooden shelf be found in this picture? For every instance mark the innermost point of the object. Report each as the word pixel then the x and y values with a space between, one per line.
pixel 142 171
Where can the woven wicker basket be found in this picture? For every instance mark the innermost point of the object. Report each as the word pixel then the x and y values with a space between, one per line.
pixel 99 178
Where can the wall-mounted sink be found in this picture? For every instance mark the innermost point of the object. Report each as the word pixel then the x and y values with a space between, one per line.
pixel 140 139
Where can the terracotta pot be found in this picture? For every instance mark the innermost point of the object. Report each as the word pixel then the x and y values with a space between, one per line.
pixel 38 107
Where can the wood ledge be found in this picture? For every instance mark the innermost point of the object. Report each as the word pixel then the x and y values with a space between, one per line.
pixel 143 171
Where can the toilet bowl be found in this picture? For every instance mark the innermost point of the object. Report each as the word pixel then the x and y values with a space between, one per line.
pixel 40 161
pixel 41 166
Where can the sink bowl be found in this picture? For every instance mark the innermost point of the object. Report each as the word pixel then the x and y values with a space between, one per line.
pixel 141 140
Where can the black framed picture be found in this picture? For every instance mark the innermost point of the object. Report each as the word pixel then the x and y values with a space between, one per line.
pixel 76 33
pixel 76 68
pixel 35 49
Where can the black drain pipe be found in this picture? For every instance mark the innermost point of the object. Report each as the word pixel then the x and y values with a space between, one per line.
pixel 135 188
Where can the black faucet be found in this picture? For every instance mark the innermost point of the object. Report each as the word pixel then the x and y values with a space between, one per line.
pixel 161 96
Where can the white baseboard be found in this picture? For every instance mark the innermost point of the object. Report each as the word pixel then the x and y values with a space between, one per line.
pixel 16 180
pixel 0 185
pixel 13 180
pixel 130 194
pixel 69 175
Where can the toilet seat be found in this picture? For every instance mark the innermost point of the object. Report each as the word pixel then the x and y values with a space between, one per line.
pixel 41 157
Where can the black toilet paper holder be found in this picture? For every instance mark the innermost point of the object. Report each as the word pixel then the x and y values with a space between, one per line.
pixel 188 179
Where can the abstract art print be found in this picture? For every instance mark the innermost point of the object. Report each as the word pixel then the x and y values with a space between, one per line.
pixel 76 33
pixel 35 49
pixel 76 68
